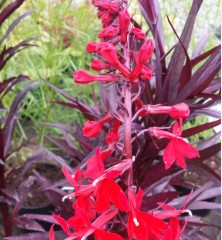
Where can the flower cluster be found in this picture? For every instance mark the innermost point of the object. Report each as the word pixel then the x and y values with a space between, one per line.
pixel 107 199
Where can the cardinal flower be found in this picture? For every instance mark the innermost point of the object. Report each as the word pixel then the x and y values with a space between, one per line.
pixel 83 77
pixel 99 65
pixel 142 225
pixel 177 149
pixel 83 227
pixel 108 32
pixel 124 21
pixel 93 128
pixel 144 55
pixel 139 34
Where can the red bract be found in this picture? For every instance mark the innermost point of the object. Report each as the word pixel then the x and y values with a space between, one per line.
pixel 83 77
pixel 124 21
pixel 93 128
pixel 177 149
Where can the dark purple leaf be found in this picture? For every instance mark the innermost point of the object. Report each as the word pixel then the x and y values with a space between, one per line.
pixel 26 223
pixel 197 205
pixel 12 116
pixel 200 46
pixel 198 129
pixel 13 25
pixel 178 57
pixel 41 217
pixel 8 10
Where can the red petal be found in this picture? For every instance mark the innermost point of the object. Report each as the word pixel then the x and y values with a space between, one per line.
pixel 116 195
pixel 169 154
pixel 62 222
pixel 103 235
pixel 186 149
pixel 92 128
pixel 102 197
pixel 51 233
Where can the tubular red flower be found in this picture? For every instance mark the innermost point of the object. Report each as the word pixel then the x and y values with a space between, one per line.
pixel 145 52
pixel 180 110
pixel 83 77
pixel 124 21
pixel 108 52
pixel 139 34
pixel 93 128
pixel 99 65
pixel 91 47
pixel 108 32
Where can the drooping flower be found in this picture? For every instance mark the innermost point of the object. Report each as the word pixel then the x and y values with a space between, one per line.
pixel 124 21
pixel 83 77
pixel 177 149
pixel 93 128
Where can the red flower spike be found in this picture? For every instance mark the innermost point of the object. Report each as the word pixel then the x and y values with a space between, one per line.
pixel 93 128
pixel 108 52
pixel 113 136
pixel 139 34
pixel 99 65
pixel 108 32
pixel 51 233
pixel 124 21
pixel 83 77
pixel 91 47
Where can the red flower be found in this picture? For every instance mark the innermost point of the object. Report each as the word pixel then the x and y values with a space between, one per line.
pixel 108 52
pixel 93 128
pixel 177 149
pixel 91 47
pixel 99 65
pixel 113 136
pixel 83 77
pixel 144 55
pixel 180 110
pixel 84 228
pixel 140 35
pixel 142 225
pixel 124 21
pixel 108 32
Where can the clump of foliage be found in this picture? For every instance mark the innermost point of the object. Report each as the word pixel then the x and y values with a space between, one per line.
pixel 9 114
